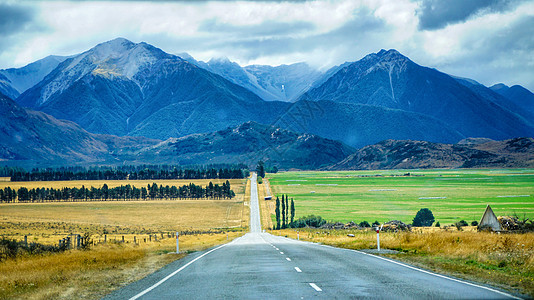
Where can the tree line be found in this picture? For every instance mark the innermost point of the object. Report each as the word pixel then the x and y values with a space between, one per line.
pixel 287 209
pixel 146 172
pixel 123 192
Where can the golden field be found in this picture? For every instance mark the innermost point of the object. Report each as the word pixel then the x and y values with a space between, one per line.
pixel 90 274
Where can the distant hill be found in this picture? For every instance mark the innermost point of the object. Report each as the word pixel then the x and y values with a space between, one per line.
pixel 281 83
pixel 33 138
pixel 389 79
pixel 405 154
pixel 21 79
pixel 248 143
pixel 517 94
pixel 30 138
pixel 359 125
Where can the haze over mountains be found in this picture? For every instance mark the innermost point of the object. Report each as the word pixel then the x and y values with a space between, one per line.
pixel 134 89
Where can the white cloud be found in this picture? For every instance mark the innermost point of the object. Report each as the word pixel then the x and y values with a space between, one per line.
pixel 320 32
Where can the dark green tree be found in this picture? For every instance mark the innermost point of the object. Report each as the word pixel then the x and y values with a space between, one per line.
pixel 424 217
pixel 277 212
pixel 283 212
pixel 292 211
pixel 260 169
pixel 287 211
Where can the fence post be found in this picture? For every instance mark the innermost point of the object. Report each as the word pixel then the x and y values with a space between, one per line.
pixel 135 242
pixel 78 238
pixel 26 241
pixel 150 238
pixel 123 238
pixel 105 238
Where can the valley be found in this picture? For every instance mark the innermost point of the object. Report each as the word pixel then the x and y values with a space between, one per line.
pixel 385 195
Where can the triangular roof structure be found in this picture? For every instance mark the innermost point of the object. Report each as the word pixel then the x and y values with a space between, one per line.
pixel 489 220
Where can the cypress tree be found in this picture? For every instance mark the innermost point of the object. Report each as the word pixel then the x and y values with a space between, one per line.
pixel 292 211
pixel 277 212
pixel 287 210
pixel 283 213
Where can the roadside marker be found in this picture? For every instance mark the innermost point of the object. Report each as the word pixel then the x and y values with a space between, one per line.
pixel 315 287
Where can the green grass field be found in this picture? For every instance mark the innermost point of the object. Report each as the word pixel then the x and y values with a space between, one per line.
pixel 451 195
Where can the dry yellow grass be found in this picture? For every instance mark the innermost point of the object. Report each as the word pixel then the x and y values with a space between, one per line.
pixel 504 260
pixel 155 215
pixel 94 273
pixel 264 213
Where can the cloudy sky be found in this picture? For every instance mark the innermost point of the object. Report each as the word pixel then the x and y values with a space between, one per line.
pixel 490 41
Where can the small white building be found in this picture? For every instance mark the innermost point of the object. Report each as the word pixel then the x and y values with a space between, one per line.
pixel 489 220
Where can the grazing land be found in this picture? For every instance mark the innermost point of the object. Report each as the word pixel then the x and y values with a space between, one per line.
pixel 452 195
pixel 146 227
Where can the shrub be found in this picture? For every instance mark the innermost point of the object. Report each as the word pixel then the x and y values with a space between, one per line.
pixel 463 223
pixel 364 224
pixel 424 217
pixel 474 223
pixel 309 221
pixel 437 224
pixel 376 223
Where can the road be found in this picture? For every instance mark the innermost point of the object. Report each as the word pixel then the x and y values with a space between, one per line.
pixel 263 266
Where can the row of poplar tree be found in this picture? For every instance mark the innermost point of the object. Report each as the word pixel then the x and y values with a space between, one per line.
pixel 287 209
pixel 147 172
pixel 123 192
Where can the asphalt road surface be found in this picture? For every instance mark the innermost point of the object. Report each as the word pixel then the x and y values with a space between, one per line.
pixel 262 266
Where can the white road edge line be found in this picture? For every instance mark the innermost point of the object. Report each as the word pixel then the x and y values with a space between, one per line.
pixel 441 276
pixel 315 287
pixel 298 270
pixel 173 273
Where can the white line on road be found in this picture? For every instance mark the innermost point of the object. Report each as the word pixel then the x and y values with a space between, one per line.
pixel 315 287
pixel 442 276
pixel 288 259
pixel 424 271
pixel 173 273
pixel 281 252
pixel 298 270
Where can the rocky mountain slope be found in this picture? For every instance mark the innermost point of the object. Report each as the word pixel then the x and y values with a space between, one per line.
pixel 281 83
pixel 471 153
pixel 124 88
pixel 359 125
pixel 21 79
pixel 248 143
pixel 391 80
pixel 32 137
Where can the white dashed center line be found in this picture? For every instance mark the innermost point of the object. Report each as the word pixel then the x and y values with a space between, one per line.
pixel 315 287
pixel 298 270
pixel 281 252
pixel 288 259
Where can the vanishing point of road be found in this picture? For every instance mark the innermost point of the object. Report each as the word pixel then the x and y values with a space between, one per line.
pixel 263 266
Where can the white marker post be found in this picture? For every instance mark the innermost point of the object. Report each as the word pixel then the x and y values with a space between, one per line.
pixel 177 243
pixel 378 238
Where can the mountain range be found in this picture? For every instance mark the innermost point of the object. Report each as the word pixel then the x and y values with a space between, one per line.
pixel 120 89
pixel 468 153
pixel 34 138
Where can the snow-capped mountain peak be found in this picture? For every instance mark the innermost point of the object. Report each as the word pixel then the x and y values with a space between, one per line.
pixel 116 58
